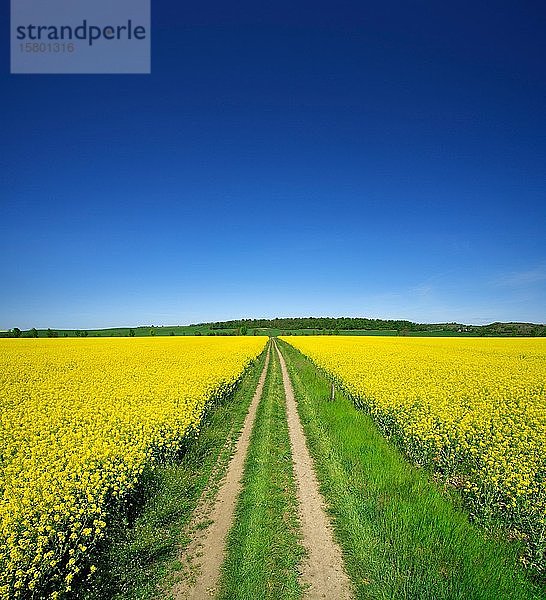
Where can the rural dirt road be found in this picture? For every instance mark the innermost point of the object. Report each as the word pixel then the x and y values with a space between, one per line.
pixel 323 567
pixel 206 551
pixel 322 571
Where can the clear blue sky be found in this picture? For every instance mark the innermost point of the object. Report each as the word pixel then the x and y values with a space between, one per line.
pixel 345 158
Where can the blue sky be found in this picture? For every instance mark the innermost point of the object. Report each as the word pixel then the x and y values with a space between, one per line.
pixel 367 159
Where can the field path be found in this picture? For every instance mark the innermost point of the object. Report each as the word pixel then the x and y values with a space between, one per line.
pixel 323 568
pixel 212 519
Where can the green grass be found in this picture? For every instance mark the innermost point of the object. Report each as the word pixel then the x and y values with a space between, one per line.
pixel 263 547
pixel 401 536
pixel 142 549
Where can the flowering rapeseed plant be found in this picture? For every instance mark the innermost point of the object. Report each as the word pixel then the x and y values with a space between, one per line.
pixel 80 422
pixel 472 409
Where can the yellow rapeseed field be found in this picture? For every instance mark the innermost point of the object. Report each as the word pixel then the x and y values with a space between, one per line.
pixel 473 409
pixel 80 421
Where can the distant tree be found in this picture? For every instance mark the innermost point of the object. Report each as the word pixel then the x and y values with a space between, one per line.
pixel 131 333
pixel 243 330
pixel 51 333
pixel 172 332
pixel 197 333
pixel 211 333
pixel 152 331
pixel 34 332
pixel 16 332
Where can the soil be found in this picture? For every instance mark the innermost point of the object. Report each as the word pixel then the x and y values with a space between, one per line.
pixel 212 519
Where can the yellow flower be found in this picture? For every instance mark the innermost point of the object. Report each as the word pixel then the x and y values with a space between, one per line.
pixel 80 421
pixel 472 409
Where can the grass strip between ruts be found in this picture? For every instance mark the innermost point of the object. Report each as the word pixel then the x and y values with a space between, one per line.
pixel 263 545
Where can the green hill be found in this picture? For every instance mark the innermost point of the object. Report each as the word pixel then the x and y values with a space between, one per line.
pixel 299 326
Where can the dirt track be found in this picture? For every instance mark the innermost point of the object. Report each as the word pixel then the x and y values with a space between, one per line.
pixel 322 570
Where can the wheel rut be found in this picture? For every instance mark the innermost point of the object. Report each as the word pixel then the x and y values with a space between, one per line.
pixel 212 519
